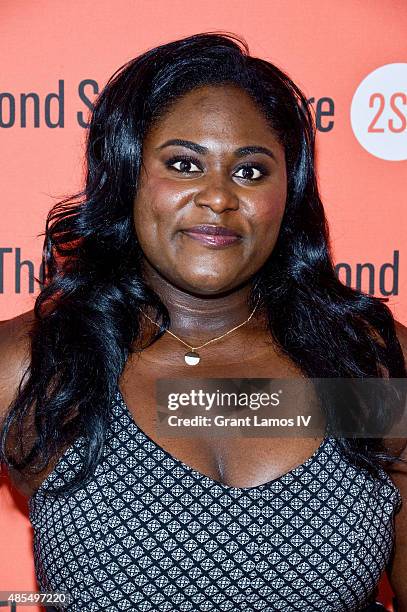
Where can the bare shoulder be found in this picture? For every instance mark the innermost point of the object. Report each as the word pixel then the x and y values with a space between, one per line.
pixel 401 331
pixel 398 445
pixel 14 356
pixel 398 473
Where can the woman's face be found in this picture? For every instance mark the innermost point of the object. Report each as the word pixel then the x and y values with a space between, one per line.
pixel 230 171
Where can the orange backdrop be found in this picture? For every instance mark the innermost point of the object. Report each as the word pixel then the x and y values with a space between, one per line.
pixel 330 49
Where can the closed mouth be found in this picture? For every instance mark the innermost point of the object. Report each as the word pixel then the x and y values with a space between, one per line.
pixel 212 230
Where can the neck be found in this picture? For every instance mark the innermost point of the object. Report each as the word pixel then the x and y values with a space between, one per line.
pixel 196 319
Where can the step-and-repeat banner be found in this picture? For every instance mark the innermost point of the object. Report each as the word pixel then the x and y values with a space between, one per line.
pixel 350 59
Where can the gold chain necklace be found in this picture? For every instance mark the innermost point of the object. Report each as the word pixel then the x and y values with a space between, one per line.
pixel 192 357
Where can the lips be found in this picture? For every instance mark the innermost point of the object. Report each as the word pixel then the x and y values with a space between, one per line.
pixel 212 235
pixel 212 230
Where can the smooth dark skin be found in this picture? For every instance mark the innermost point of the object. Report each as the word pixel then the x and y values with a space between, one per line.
pixel 205 289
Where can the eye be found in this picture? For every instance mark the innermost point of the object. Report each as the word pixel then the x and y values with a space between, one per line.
pixel 185 162
pixel 249 172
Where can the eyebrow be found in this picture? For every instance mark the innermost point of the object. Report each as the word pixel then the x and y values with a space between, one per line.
pixel 240 152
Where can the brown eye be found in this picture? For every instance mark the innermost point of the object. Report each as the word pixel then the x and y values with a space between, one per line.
pixel 184 163
pixel 249 173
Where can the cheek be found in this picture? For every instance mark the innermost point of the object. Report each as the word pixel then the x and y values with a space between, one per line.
pixel 157 202
pixel 151 208
pixel 267 216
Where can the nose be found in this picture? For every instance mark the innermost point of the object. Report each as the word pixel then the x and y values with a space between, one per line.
pixel 217 195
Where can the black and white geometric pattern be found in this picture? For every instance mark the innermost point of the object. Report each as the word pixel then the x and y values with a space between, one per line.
pixel 150 533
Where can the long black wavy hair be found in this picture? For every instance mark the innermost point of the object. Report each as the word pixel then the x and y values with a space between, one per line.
pixel 87 314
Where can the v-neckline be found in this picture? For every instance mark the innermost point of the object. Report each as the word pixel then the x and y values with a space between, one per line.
pixel 197 474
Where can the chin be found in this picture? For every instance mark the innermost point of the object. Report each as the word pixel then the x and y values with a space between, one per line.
pixel 207 289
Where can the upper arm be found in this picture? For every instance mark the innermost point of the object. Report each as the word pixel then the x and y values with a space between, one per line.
pixel 401 331
pixel 14 357
pixel 398 472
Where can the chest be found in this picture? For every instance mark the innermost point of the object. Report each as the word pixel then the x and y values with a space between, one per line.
pixel 234 461
pixel 237 461
pixel 150 520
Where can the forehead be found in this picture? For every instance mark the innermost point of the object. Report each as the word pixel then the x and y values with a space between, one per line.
pixel 223 111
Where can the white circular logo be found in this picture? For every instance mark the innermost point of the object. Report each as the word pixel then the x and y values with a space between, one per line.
pixel 378 112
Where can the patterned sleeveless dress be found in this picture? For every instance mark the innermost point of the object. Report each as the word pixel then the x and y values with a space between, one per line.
pixel 150 533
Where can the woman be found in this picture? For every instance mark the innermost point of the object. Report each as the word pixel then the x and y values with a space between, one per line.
pixel 199 238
